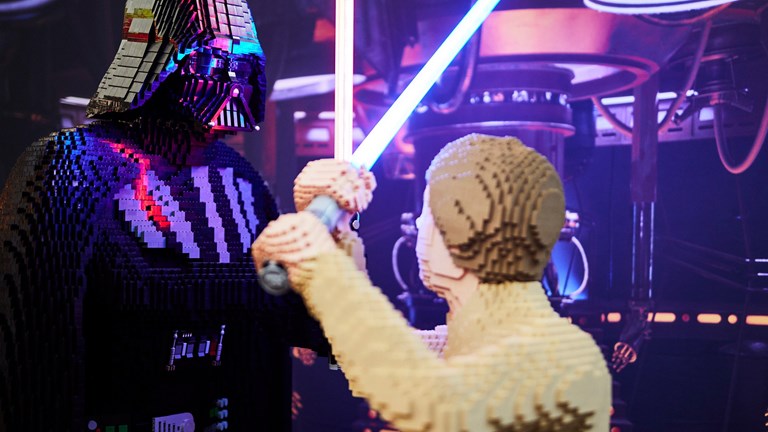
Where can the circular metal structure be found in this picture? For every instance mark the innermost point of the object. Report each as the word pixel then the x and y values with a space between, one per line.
pixel 528 66
pixel 651 6
pixel 530 103
pixel 23 9
pixel 502 99
pixel 607 53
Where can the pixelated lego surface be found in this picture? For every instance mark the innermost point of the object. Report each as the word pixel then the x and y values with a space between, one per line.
pixel 205 53
pixel 498 205
pixel 350 187
pixel 435 339
pixel 508 361
pixel 511 362
pixel 127 295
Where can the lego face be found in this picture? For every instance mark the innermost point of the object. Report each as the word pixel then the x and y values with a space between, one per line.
pixel 436 267
pixel 220 88
pixel 499 205
pixel 223 75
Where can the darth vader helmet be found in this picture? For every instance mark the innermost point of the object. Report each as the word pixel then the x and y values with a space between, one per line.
pixel 199 60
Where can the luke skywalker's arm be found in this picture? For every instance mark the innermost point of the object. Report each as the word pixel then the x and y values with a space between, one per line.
pixel 514 381
pixel 381 356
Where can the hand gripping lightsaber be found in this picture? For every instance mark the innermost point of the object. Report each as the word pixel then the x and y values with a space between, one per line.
pixel 273 276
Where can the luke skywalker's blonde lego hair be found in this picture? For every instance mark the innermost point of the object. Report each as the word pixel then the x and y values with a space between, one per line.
pixel 499 206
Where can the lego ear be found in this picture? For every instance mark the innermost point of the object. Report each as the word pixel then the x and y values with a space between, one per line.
pixel 460 220
pixel 547 218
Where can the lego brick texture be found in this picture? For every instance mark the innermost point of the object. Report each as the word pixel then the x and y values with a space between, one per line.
pixel 511 364
pixel 189 45
pixel 108 246
pixel 499 206
pixel 507 360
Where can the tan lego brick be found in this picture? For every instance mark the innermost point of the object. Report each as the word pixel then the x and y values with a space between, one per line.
pixel 506 361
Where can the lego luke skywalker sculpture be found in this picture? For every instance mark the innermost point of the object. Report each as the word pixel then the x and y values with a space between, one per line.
pixel 493 210
pixel 128 300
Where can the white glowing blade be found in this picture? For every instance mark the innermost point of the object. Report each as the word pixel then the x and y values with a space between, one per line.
pixel 345 32
pixel 381 134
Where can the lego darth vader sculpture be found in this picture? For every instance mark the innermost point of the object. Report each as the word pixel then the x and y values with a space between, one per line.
pixel 128 300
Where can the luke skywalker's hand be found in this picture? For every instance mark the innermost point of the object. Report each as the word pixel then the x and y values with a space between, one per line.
pixel 292 240
pixel 352 188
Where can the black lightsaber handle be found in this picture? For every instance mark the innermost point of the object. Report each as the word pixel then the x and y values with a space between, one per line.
pixel 273 277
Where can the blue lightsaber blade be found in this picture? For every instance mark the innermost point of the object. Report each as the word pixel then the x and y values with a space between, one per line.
pixel 382 134
pixel 273 277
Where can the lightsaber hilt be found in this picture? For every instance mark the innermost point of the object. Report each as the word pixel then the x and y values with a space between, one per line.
pixel 273 277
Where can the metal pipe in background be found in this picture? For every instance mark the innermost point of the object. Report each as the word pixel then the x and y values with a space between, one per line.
pixel 643 182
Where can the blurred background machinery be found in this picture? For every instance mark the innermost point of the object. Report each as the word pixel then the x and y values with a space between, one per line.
pixel 654 117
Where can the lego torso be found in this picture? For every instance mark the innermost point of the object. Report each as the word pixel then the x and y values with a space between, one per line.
pixel 147 262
